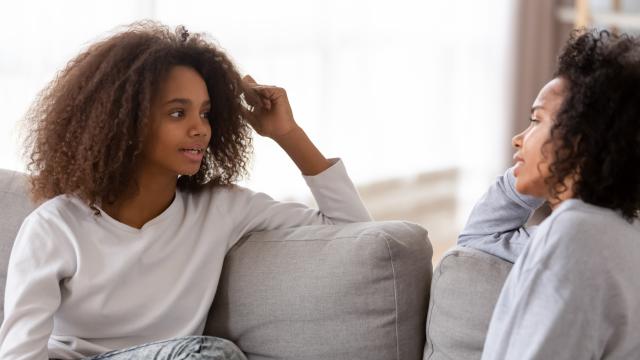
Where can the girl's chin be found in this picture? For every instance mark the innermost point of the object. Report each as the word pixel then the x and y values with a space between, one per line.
pixel 188 172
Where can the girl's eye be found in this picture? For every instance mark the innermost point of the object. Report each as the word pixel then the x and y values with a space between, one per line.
pixel 177 114
pixel 533 121
pixel 205 115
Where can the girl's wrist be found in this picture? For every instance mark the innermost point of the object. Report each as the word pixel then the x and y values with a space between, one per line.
pixel 287 135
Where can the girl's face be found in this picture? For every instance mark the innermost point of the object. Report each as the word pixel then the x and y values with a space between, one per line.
pixel 179 129
pixel 531 166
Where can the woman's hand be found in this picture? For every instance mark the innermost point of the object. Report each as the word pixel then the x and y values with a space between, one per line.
pixel 274 118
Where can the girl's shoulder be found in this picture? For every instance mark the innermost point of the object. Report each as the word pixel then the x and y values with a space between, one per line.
pixel 220 196
pixel 62 208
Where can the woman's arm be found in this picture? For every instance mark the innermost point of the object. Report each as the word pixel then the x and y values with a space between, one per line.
pixel 496 223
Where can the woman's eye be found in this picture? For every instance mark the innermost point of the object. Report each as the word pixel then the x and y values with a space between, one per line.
pixel 177 114
pixel 533 121
pixel 205 115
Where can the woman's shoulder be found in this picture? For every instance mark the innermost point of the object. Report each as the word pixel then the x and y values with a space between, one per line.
pixel 578 230
pixel 575 216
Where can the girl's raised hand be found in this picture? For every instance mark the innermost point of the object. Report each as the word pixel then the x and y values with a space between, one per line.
pixel 274 117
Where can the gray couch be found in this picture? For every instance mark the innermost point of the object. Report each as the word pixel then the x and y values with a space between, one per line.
pixel 357 291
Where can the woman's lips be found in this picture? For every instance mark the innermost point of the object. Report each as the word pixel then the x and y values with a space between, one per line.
pixel 516 168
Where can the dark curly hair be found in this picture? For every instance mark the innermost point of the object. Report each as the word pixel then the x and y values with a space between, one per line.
pixel 86 128
pixel 596 134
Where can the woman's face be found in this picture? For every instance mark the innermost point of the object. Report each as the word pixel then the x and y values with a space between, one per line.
pixel 531 166
pixel 179 129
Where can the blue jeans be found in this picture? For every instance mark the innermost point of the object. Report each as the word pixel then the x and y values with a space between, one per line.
pixel 185 348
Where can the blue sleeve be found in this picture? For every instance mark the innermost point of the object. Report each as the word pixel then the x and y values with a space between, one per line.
pixel 496 223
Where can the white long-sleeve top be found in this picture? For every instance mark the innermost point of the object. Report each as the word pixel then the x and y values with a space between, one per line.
pixel 80 284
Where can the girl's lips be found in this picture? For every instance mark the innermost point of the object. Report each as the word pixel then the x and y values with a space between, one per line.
pixel 194 156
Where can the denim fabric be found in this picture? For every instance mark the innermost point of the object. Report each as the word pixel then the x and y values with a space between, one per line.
pixel 185 348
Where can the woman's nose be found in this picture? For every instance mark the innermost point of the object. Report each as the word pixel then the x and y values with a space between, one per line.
pixel 516 141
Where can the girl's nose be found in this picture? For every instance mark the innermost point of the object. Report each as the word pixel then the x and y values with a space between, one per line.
pixel 200 128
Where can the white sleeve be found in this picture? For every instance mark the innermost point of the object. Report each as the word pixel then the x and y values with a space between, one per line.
pixel 337 199
pixel 39 261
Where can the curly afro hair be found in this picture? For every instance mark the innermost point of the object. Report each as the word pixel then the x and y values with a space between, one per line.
pixel 596 134
pixel 86 129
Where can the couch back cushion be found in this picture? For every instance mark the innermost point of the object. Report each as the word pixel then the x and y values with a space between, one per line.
pixel 465 288
pixel 357 291
pixel 15 205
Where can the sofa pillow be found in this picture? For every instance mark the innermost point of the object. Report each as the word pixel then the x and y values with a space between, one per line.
pixel 15 205
pixel 356 291
pixel 465 288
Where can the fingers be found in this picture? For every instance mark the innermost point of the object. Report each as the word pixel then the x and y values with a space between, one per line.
pixel 264 90
pixel 247 78
pixel 267 93
pixel 252 97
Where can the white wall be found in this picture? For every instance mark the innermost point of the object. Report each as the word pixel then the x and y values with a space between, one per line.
pixel 395 88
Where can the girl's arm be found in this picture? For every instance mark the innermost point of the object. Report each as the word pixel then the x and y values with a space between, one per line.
pixel 496 224
pixel 36 267
pixel 335 194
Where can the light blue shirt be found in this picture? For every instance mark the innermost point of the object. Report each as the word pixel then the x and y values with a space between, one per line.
pixel 574 290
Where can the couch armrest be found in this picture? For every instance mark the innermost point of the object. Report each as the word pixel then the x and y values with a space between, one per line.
pixel 16 205
pixel 465 288
pixel 356 291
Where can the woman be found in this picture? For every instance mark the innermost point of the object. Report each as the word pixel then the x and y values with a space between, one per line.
pixel 135 146
pixel 574 290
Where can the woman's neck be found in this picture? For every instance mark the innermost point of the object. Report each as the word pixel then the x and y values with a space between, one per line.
pixel 146 199
pixel 568 193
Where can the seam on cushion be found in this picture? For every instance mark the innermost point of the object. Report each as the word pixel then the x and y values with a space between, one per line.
pixel 247 238
pixel 316 239
pixel 14 193
pixel 395 294
pixel 433 302
pixel 494 260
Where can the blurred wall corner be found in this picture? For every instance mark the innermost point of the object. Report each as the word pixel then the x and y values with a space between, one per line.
pixel 427 199
pixel 539 37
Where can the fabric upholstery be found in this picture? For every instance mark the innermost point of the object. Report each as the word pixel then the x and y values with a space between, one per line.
pixel 357 291
pixel 317 292
pixel 465 288
pixel 15 205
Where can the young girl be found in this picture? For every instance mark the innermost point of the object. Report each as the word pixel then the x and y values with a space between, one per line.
pixel 574 290
pixel 136 145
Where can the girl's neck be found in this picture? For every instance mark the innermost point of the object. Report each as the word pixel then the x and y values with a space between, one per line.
pixel 149 197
